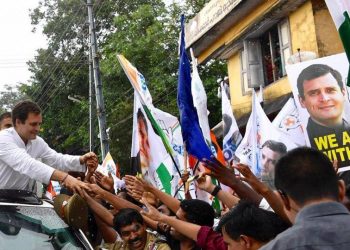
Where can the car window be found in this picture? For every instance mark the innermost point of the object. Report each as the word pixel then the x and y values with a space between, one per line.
pixel 33 227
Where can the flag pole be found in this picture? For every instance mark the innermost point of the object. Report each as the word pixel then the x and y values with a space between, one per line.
pixel 185 168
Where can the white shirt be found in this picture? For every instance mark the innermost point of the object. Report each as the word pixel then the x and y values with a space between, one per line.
pixel 265 205
pixel 19 163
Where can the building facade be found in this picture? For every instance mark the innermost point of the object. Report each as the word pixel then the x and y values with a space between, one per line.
pixel 257 39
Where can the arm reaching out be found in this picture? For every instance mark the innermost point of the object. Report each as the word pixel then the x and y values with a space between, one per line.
pixel 207 185
pixel 227 176
pixel 188 229
pixel 271 197
pixel 172 203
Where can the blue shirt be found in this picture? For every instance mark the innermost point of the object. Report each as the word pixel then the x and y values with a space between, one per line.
pixel 321 226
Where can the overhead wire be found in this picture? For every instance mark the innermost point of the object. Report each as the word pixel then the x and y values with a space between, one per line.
pixel 48 85
pixel 52 69
pixel 58 89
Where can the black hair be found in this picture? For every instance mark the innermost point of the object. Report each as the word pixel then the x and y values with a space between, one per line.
pixel 5 115
pixel 306 174
pixel 315 71
pixel 125 217
pixel 22 109
pixel 275 146
pixel 198 212
pixel 248 219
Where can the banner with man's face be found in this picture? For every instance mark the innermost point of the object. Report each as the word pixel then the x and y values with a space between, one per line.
pixel 322 99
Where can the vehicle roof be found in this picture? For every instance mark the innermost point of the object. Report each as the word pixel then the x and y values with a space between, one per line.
pixel 11 197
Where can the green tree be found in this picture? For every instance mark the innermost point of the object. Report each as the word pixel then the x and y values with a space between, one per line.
pixel 62 69
pixel 10 96
pixel 145 31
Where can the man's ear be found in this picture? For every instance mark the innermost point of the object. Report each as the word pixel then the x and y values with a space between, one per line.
pixel 343 91
pixel 286 201
pixel 18 121
pixel 342 190
pixel 301 100
pixel 245 241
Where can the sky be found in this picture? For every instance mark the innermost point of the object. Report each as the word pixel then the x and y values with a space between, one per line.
pixel 17 44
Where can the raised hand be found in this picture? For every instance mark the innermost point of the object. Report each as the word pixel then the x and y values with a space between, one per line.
pixel 137 183
pixel 251 179
pixel 90 160
pixel 205 183
pixel 223 174
pixel 95 189
pixel 104 181
pixel 151 212
pixel 133 187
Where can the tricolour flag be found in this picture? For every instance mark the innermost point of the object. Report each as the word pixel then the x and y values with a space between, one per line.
pixel 288 122
pixel 191 130
pixel 165 127
pixel 340 10
pixel 139 84
pixel 156 165
pixel 231 135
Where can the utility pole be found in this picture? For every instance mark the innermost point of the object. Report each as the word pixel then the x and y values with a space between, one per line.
pixel 101 114
pixel 91 99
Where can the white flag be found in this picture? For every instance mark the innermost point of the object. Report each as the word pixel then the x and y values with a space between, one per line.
pixel 288 122
pixel 200 100
pixel 263 144
pixel 231 135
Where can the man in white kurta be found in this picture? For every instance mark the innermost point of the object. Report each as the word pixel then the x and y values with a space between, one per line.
pixel 19 162
pixel 26 157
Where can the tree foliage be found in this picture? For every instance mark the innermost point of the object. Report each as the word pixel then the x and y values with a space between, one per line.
pixel 145 31
pixel 10 96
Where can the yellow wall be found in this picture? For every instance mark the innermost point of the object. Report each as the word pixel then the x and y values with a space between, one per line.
pixel 303 36
pixel 311 29
pixel 240 104
pixel 302 29
pixel 328 39
pixel 235 31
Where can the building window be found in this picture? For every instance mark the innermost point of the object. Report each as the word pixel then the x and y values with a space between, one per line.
pixel 244 74
pixel 263 59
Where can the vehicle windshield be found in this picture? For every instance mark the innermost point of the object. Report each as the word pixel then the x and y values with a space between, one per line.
pixel 31 227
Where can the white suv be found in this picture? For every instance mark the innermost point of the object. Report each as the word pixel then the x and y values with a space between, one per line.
pixel 27 222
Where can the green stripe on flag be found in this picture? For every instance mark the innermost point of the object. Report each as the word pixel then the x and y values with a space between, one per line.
pixel 344 32
pixel 165 178
pixel 158 130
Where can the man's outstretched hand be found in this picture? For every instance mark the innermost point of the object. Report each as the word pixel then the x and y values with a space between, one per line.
pixel 90 160
pixel 75 185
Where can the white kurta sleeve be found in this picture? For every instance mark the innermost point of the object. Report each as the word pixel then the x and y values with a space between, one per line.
pixel 59 161
pixel 20 161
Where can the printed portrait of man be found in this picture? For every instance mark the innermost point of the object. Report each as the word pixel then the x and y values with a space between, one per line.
pixel 145 154
pixel 271 152
pixel 322 93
